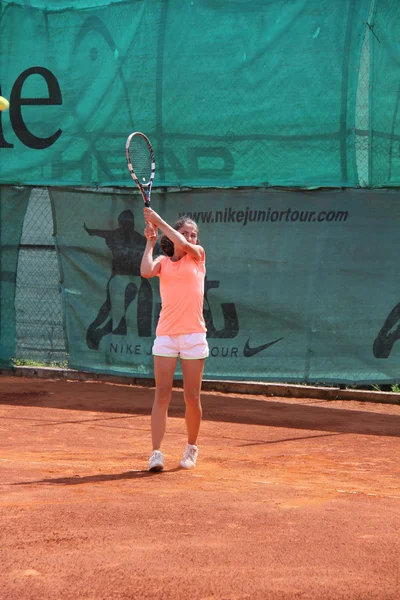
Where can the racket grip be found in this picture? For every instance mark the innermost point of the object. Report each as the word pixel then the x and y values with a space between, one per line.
pixel 147 205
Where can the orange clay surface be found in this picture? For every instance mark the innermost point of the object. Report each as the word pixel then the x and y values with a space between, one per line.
pixel 291 499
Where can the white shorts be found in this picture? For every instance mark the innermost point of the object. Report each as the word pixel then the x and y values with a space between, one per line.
pixel 191 346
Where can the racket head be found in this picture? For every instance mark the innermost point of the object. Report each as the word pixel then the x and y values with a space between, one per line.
pixel 141 163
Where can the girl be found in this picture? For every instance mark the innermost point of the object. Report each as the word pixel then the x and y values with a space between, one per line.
pixel 181 330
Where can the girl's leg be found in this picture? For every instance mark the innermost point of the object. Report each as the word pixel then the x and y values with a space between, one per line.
pixel 192 371
pixel 164 369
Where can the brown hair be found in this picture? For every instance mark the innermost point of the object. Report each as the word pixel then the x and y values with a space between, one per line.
pixel 165 243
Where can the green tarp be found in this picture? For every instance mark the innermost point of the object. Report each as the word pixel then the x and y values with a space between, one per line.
pixel 231 93
pixel 301 286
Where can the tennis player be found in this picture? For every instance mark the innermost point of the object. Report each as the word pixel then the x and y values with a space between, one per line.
pixel 181 330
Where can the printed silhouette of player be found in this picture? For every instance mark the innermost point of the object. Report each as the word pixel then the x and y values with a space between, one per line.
pixel 386 338
pixel 127 246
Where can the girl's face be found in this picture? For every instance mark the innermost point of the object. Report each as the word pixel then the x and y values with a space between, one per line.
pixel 189 232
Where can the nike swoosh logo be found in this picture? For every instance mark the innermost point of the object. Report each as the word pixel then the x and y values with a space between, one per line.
pixel 247 351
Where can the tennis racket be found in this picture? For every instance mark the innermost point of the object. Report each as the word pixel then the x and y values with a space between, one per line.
pixel 141 163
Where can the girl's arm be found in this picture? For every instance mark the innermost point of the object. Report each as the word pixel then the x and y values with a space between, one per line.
pixel 148 267
pixel 179 241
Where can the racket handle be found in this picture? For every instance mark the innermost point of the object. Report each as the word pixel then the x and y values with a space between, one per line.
pixel 147 205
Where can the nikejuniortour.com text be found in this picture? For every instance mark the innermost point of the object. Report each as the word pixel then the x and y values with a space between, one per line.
pixel 251 215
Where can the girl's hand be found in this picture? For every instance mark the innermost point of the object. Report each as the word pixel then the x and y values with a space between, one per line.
pixel 151 216
pixel 150 232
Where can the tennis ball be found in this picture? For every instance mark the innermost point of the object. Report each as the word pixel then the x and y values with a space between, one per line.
pixel 4 104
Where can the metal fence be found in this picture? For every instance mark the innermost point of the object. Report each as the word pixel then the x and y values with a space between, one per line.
pixel 39 317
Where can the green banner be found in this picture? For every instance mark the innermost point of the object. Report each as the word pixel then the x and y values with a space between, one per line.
pixel 301 286
pixel 13 204
pixel 231 93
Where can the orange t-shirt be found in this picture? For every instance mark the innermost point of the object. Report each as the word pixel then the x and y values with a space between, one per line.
pixel 182 295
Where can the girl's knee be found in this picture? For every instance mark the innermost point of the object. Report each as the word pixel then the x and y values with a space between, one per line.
pixel 193 400
pixel 162 397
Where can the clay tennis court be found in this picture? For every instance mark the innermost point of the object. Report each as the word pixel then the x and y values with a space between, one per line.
pixel 292 498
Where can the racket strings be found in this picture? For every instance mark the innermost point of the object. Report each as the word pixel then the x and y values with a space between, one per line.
pixel 141 159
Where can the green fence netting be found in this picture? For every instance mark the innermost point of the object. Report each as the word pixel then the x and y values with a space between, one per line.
pixel 13 203
pixel 231 93
pixel 301 286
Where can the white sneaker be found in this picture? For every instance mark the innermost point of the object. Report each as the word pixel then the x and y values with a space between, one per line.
pixel 189 457
pixel 156 461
